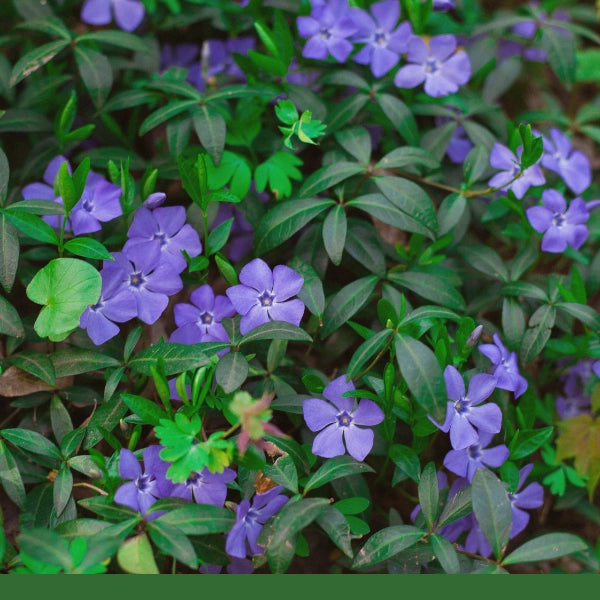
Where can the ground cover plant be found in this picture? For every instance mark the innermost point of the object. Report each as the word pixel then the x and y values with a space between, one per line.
pixel 293 286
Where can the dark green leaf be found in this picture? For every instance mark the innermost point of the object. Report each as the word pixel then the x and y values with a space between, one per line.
pixel 276 330
pixel 423 375
pixel 32 441
pixel 401 117
pixel 492 509
pixel 146 410
pixel 356 141
pixel 406 460
pixel 63 486
pixel 211 129
pixel 96 73
pixel 561 54
pixel 34 59
pixel 74 361
pixel 528 442
pixel 410 158
pixel 456 507
pixel 10 477
pixel 586 314
pixel 429 494
pixel 334 468
pixel 177 357
pixel 546 547
pixel 327 177
pixel 335 525
pixel 334 233
pixel 445 553
pixel 88 248
pixel 283 472
pixel 46 546
pixel 10 322
pixel 429 286
pixel 346 303
pixel 535 337
pixel 232 371
pixel 485 259
pixel 199 519
pixel 120 39
pixel 387 543
pixel 173 542
pixel 165 113
pixel 60 419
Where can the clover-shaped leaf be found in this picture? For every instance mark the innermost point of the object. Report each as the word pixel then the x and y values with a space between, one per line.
pixel 65 286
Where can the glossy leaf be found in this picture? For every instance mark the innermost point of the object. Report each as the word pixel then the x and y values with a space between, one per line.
pixel 386 543
pixel 334 468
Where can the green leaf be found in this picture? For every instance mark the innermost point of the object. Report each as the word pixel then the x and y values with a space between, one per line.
pixel 34 59
pixel 401 117
pixel 344 111
pixel 283 472
pixel 312 291
pixel 211 129
pixel 527 442
pixel 429 286
pixel 4 175
pixel 173 542
pixel 445 553
pixel 346 303
pixel 46 546
pixel 32 226
pixel 199 519
pixel 51 25
pixel 166 113
pixel 501 78
pixel 63 486
pixel 406 460
pixel 32 441
pixel 513 321
pixel 485 259
pixel 327 177
pixel 387 543
pixel 285 219
pixel 10 477
pixel 356 141
pixel 492 509
pixel 429 494
pixel 412 200
pixel 429 312
pixel 36 363
pixel 409 158
pixel 362 244
pixel 106 417
pixel 535 337
pixel 232 371
pixel 335 525
pixel 276 330
pixel 10 322
pixel 561 54
pixel 456 507
pixel 546 547
pixel 75 361
pixel 334 468
pixel 367 350
pixel 524 288
pixel 135 556
pixel 423 375
pixel 88 248
pixel 334 233
pixel 120 39
pixel 278 171
pixel 66 286
pixel 177 357
pixel 96 73
pixel 219 236
pixel 23 120
pixel 146 410
pixel 291 519
pixel 586 314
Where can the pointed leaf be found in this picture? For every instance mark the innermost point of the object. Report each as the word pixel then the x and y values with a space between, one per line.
pixel 387 543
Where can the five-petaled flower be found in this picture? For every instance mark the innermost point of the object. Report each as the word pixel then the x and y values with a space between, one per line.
pixel 264 295
pixel 203 487
pixel 511 177
pixel 249 521
pixel 141 490
pixel 128 13
pixel 530 496
pixel 339 421
pixel 439 65
pixel 506 368
pixel 572 165
pixel 465 461
pixel 463 412
pixel 327 28
pixel 384 41
pixel 560 225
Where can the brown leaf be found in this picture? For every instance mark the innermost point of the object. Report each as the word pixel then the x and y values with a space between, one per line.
pixel 580 440
pixel 15 382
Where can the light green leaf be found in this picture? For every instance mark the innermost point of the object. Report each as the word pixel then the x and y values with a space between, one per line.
pixel 135 556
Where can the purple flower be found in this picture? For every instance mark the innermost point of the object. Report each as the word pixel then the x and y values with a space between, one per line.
pixel 186 56
pixel 443 5
pixel 576 399
pixel 200 321
pixel 263 295
pixel 338 421
pixel 384 41
pixel 529 27
pixel 327 28
pixel 460 145
pixel 506 368
pixel 531 496
pixel 149 280
pixel 204 487
pixel 249 520
pixel 572 165
pixel 116 304
pixel 462 413
pixel 466 461
pixel 561 227
pixel 128 13
pixel 165 229
pixel 219 55
pixel 142 489
pixel 99 202
pixel 502 158
pixel 438 65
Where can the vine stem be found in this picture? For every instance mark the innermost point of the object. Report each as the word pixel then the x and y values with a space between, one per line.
pixel 92 487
